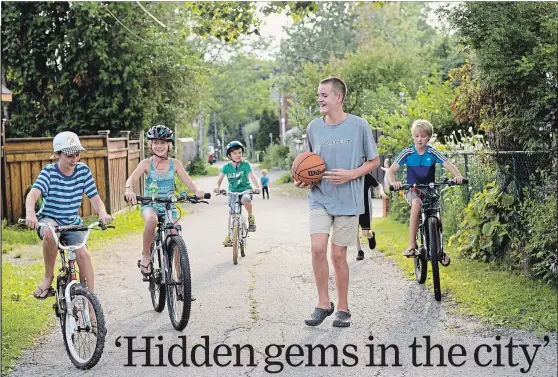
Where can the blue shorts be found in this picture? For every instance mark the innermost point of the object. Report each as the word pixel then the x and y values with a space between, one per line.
pixel 160 210
pixel 67 238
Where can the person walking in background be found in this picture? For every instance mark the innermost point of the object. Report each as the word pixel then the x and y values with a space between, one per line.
pixel 266 183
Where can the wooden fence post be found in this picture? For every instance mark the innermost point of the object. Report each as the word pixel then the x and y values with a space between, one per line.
pixel 108 203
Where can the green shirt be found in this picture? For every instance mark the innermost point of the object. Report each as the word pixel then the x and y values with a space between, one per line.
pixel 238 177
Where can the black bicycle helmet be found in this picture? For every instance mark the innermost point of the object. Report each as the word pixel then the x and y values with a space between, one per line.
pixel 160 132
pixel 234 144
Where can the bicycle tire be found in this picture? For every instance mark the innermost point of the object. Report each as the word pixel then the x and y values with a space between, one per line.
pixel 421 267
pixel 243 241
pixel 179 317
pixel 235 239
pixel 67 324
pixel 434 248
pixel 158 293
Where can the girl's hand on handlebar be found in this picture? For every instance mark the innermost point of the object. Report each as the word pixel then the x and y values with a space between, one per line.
pixel 200 194
pixel 257 191
pixel 131 197
pixel 396 185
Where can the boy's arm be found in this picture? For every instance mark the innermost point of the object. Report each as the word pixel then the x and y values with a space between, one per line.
pixel 179 168
pixel 219 181
pixel 390 174
pixel 457 178
pixel 30 215
pixel 99 207
pixel 255 181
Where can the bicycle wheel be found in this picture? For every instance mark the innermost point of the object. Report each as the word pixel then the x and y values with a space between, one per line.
pixel 156 285
pixel 179 283
pixel 244 235
pixel 434 248
pixel 235 241
pixel 83 329
pixel 421 267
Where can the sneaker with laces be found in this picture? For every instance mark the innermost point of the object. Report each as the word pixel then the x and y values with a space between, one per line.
pixel 251 223
pixel 227 242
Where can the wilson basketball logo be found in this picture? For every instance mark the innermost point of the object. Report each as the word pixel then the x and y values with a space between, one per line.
pixel 313 173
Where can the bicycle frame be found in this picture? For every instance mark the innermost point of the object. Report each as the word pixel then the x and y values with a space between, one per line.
pixel 237 215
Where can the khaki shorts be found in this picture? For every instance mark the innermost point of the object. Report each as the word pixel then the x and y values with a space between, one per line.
pixel 345 228
pixel 412 194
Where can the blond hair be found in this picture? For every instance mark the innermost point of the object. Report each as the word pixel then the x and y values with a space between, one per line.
pixel 264 172
pixel 422 126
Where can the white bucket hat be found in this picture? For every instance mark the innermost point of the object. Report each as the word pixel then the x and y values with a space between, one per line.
pixel 67 142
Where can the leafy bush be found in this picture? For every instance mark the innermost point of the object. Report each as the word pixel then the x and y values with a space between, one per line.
pixel 198 167
pixel 399 208
pixel 277 156
pixel 484 232
pixel 285 178
pixel 535 241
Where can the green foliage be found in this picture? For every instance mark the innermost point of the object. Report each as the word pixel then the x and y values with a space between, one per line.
pixel 269 123
pixel 23 316
pixel 498 298
pixel 277 156
pixel 285 178
pixel 399 208
pixel 432 102
pixel 198 167
pixel 535 242
pixel 17 235
pixel 484 234
pixel 514 76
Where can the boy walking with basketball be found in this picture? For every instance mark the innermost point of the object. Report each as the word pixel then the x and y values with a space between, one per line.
pixel 346 145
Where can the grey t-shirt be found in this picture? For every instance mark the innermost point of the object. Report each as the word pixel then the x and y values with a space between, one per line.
pixel 344 146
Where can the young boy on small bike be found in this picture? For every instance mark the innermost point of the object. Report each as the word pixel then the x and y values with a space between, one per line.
pixel 160 170
pixel 238 171
pixel 62 186
pixel 421 159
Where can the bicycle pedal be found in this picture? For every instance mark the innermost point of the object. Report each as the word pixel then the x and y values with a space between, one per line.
pixel 145 278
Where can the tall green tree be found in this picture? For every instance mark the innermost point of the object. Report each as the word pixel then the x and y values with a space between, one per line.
pixel 269 124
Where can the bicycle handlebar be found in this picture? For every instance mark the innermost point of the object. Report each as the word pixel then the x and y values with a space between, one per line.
pixel 180 198
pixel 225 192
pixel 429 185
pixel 70 228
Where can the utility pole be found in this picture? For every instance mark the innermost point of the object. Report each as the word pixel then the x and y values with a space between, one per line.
pixel 200 137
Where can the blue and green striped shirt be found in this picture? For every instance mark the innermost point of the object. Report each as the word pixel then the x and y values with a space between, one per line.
pixel 62 194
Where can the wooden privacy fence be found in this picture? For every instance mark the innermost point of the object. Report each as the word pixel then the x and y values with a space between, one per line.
pixel 111 161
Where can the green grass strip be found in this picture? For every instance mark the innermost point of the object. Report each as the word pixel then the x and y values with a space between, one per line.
pixel 499 298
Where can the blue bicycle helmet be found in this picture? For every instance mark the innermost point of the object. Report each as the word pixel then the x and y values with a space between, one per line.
pixel 160 132
pixel 234 144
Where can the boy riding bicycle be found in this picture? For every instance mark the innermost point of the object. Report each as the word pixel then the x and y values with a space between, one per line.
pixel 238 171
pixel 160 170
pixel 62 186
pixel 421 159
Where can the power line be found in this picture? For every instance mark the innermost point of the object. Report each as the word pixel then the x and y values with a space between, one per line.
pixel 125 27
pixel 150 15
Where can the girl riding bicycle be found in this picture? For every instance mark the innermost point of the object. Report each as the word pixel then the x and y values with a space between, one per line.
pixel 160 170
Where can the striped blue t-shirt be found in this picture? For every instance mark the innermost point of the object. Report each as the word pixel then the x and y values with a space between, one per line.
pixel 421 168
pixel 62 194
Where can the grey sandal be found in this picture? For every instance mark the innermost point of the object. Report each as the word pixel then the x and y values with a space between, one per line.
pixel 342 319
pixel 318 316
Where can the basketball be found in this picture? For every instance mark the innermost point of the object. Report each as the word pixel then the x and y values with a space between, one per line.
pixel 308 167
